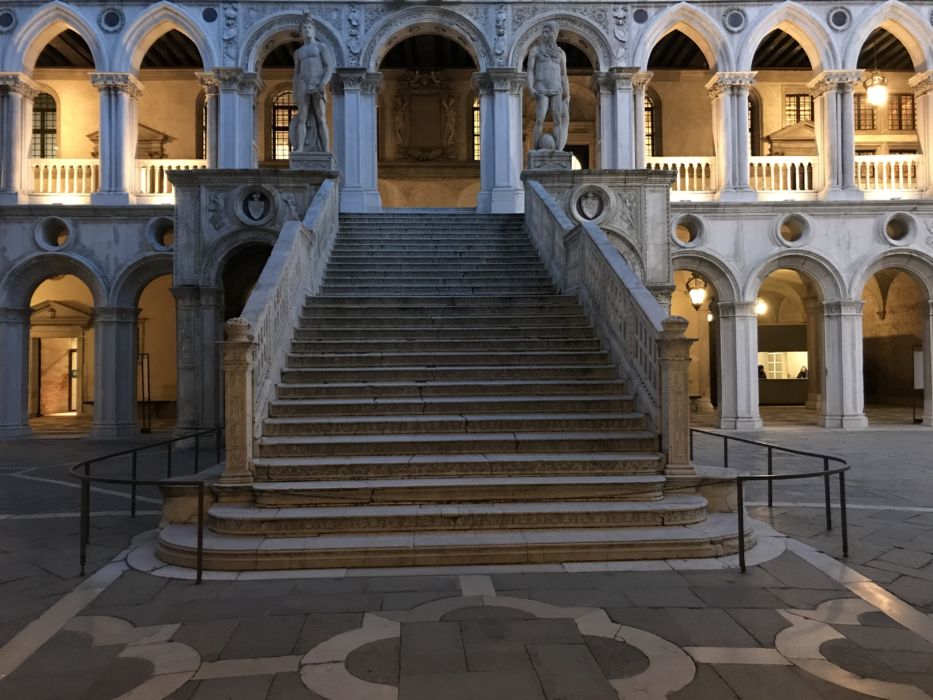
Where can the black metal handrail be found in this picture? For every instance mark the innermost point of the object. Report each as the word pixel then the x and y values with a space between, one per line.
pixel 825 473
pixel 82 472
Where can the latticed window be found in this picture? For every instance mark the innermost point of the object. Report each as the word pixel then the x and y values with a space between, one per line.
pixel 901 112
pixel 44 127
pixel 650 127
pixel 798 107
pixel 864 114
pixel 283 109
pixel 476 130
pixel 775 365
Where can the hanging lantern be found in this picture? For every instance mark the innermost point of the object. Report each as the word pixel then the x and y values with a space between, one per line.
pixel 876 89
pixel 696 290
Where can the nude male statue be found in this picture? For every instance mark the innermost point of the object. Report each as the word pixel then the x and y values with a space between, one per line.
pixel 547 80
pixel 314 66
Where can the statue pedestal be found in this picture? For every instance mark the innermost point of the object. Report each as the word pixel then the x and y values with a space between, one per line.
pixel 546 159
pixel 312 160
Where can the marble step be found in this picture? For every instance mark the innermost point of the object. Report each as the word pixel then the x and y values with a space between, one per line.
pixel 441 318
pixel 312 521
pixel 446 276
pixel 468 345
pixel 417 303
pixel 484 423
pixel 403 490
pixel 444 359
pixel 452 247
pixel 408 289
pixel 274 469
pixel 474 315
pixel 480 332
pixel 433 258
pixel 476 387
pixel 450 404
pixel 306 375
pixel 456 443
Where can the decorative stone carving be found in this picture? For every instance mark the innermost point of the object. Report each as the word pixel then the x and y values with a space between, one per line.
pixel 734 19
pixel 832 80
pixel 354 45
pixel 314 66
pixel 425 91
pixel 217 217
pixel 723 83
pixel 8 20
pixel 111 19
pixel 229 34
pixel 20 84
pixel 255 206
pixel 839 18
pixel 500 44
pixel 548 82
pixel 118 82
pixel 620 34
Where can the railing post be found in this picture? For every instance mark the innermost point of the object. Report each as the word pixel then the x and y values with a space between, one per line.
pixel 725 451
pixel 829 512
pixel 842 514
pixel 674 419
pixel 740 496
pixel 200 552
pixel 133 485
pixel 239 351
pixel 770 472
pixel 197 451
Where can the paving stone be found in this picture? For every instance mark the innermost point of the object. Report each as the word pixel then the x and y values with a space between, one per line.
pixel 615 658
pixel 665 597
pixel 241 688
pixel 807 599
pixel 762 624
pixel 754 577
pixel 120 677
pixel 497 656
pixel 625 581
pixel 288 686
pixel 915 591
pixel 907 557
pixel 588 598
pixel 185 692
pixel 651 620
pixel 489 612
pixel 885 638
pixel 255 589
pixel 392 584
pixel 794 572
pixel 706 685
pixel 780 683
pixel 476 632
pixel 737 598
pixel 544 580
pixel 431 647
pixel 569 672
pixel 710 628
pixel 858 660
pixel 319 627
pixel 185 591
pixel 877 619
pixel 328 586
pixel 132 588
pixel 412 599
pixel 263 636
pixel 376 662
pixel 337 602
pixel 493 685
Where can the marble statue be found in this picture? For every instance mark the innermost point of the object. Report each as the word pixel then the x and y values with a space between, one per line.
pixel 314 66
pixel 547 80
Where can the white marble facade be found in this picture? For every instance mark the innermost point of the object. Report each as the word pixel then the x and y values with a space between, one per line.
pixel 734 220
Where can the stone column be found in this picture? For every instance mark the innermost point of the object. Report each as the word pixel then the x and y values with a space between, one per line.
pixel 500 105
pixel 927 342
pixel 115 371
pixel 239 353
pixel 843 392
pixel 729 95
pixel 639 83
pixel 236 134
pixel 17 93
pixel 922 87
pixel 814 309
pixel 119 129
pixel 738 356
pixel 615 95
pixel 355 139
pixel 197 315
pixel 674 354
pixel 14 357
pixel 211 98
pixel 701 351
pixel 834 122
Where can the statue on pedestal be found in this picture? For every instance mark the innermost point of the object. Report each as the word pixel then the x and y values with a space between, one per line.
pixel 547 80
pixel 314 67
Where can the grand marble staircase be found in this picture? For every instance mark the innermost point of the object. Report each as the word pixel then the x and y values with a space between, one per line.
pixel 442 404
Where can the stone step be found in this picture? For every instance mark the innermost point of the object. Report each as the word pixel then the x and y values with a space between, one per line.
pixel 480 387
pixel 504 489
pixel 443 359
pixel 431 234
pixel 401 424
pixel 274 469
pixel 405 290
pixel 432 258
pixel 306 375
pixel 312 521
pixel 458 443
pixel 449 404
pixel 480 332
pixel 446 276
pixel 444 319
pixel 434 302
pixel 465 314
pixel 453 247
pixel 310 346
pixel 714 537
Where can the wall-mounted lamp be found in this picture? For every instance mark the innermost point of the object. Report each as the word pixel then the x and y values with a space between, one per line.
pixel 761 307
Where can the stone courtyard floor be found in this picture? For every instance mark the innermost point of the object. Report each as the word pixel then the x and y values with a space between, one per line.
pixel 800 624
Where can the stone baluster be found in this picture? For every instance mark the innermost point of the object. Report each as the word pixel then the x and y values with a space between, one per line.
pixel 729 95
pixel 738 354
pixel 239 356
pixel 500 104
pixel 17 93
pixel 922 87
pixel 115 358
pixel 355 93
pixel 843 391
pixel 615 95
pixel 834 122
pixel 674 354
pixel 119 129
pixel 14 349
pixel 211 99
pixel 639 85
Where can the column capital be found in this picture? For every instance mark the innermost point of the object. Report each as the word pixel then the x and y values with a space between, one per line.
pixel 641 79
pixel 238 80
pixel 843 307
pixel 500 80
pixel 614 79
pixel 19 83
pixel 119 82
pixel 356 80
pixel 921 83
pixel 833 80
pixel 729 81
pixel 735 309
pixel 209 81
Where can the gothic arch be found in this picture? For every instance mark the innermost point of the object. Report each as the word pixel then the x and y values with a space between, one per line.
pixel 219 253
pixel 20 282
pixel 798 22
pixel 711 270
pixel 152 24
pixel 585 35
pixel 425 20
pixel 918 265
pixel 819 270
pixel 135 276
pixel 904 23
pixel 50 20
pixel 278 29
pixel 693 22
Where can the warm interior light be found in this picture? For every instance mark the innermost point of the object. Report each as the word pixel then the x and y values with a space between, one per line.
pixel 696 290
pixel 709 316
pixel 761 307
pixel 876 89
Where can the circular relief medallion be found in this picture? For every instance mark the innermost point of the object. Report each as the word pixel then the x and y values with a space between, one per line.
pixel 255 206
pixel 7 20
pixel 111 19
pixel 590 205
pixel 734 19
pixel 209 14
pixel 640 15
pixel 839 18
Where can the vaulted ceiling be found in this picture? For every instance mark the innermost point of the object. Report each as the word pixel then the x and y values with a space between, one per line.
pixel 883 50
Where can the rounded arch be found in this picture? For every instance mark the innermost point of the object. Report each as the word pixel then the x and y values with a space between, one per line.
pixel 904 23
pixel 582 33
pixel 135 276
pixel 279 29
pixel 219 253
pixel 17 287
pixel 710 269
pixel 800 24
pixel 628 251
pixel 425 20
pixel 48 21
pixel 918 265
pixel 152 24
pixel 696 24
pixel 819 270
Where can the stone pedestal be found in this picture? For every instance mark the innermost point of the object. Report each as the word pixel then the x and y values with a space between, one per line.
pixel 546 159
pixel 674 355
pixel 238 402
pixel 314 160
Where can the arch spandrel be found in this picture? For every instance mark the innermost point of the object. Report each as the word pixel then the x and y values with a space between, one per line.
pixel 48 21
pixel 595 42
pixel 18 285
pixel 903 22
pixel 700 27
pixel 152 24
pixel 802 25
pixel 820 271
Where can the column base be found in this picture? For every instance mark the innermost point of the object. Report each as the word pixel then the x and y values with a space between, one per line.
pixel 12 198
pixel 839 194
pixel 15 431
pixel 814 402
pixel 505 200
pixel 748 423
pixel 679 470
pixel 844 422
pixel 739 194
pixel 110 430
pixel 112 199
pixel 926 421
pixel 359 201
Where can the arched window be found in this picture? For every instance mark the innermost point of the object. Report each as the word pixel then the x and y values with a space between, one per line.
pixel 44 127
pixel 283 109
pixel 652 124
pixel 476 130
pixel 200 121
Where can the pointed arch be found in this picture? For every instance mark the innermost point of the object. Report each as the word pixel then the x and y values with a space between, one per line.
pixel 18 285
pixel 904 23
pixel 696 24
pixel 152 24
pixel 801 24
pixel 710 269
pixel 279 29
pixel 915 263
pixel 820 271
pixel 48 21
pixel 586 36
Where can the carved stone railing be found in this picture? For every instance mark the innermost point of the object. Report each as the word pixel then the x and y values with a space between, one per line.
pixel 259 340
pixel 649 347
pixel 64 175
pixel 889 173
pixel 782 173
pixel 693 174
pixel 152 174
